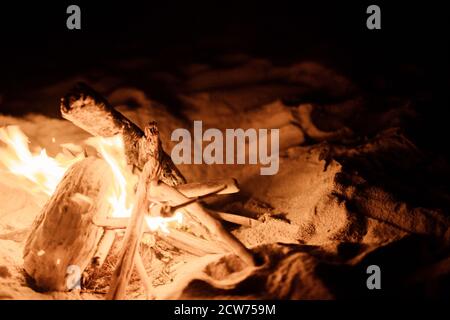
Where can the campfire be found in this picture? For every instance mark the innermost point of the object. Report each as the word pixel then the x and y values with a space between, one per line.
pixel 247 152
pixel 119 179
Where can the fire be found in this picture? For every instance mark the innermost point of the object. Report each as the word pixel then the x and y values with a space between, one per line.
pixel 155 223
pixel 113 151
pixel 121 196
pixel 46 172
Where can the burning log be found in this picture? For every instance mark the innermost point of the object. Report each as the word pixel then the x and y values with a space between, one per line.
pixel 63 235
pixel 130 246
pixel 90 111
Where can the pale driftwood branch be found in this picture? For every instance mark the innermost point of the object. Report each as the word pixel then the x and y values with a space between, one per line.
pixel 111 223
pixel 185 247
pixel 121 223
pixel 191 241
pixel 197 189
pixel 140 268
pixel 130 246
pixel 160 190
pixel 234 218
pixel 63 234
pixel 87 109
pixel 104 247
pixel 179 239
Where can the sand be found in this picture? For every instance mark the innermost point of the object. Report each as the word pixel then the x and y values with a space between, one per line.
pixel 338 204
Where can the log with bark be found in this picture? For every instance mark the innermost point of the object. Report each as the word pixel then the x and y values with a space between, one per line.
pixel 63 235
pixel 90 111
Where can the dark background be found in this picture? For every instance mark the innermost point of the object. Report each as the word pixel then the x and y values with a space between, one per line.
pixel 36 45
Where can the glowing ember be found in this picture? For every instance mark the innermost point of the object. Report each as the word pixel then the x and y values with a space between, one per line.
pixel 46 172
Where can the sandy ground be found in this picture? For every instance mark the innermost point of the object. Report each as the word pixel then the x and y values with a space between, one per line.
pixel 339 202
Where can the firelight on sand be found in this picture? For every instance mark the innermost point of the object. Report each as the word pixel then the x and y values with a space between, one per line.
pixel 46 172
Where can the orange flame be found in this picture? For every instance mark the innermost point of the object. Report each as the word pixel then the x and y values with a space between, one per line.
pixel 46 172
pixel 113 151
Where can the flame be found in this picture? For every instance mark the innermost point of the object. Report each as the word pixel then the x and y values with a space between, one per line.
pixel 121 197
pixel 113 151
pixel 46 172
pixel 155 223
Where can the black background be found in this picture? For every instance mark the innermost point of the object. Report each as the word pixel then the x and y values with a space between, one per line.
pixel 36 45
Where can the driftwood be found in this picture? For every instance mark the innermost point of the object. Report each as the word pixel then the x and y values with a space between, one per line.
pixel 234 218
pixel 198 189
pixel 145 279
pixel 130 246
pixel 63 236
pixel 90 111
pixel 184 240
pixel 103 248
pixel 179 239
pixel 191 244
pixel 160 190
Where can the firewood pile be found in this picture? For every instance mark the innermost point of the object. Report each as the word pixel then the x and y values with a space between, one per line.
pixel 75 227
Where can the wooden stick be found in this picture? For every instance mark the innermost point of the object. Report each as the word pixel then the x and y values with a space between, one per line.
pixel 207 247
pixel 140 268
pixel 111 223
pixel 160 190
pixel 121 223
pixel 122 273
pixel 109 236
pixel 177 238
pixel 87 109
pixel 189 248
pixel 234 218
pixel 197 189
